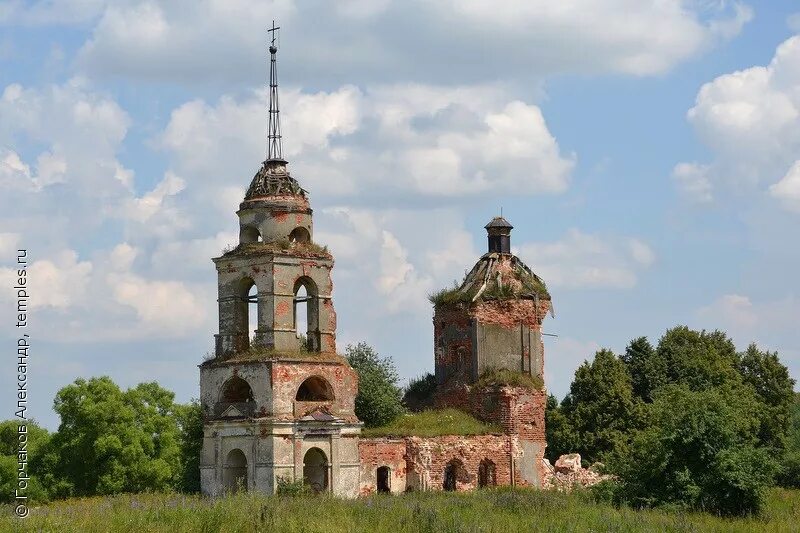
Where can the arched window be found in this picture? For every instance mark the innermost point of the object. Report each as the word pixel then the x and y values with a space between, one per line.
pixel 315 389
pixel 234 472
pixel 249 234
pixel 236 390
pixel 487 474
pixel 246 322
pixel 299 234
pixel 235 399
pixel 453 473
pixel 384 479
pixel 315 470
pixel 306 314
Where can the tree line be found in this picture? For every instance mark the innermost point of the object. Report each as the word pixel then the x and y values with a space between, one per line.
pixel 689 423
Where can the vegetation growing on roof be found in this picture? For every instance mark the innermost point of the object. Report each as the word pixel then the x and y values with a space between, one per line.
pixel 433 423
pixel 495 377
pixel 450 295
pixel 523 284
pixel 280 246
pixel 261 353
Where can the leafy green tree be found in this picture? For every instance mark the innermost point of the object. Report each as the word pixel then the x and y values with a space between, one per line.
pixel 379 398
pixel 789 475
pixel 698 360
pixel 600 410
pixel 558 433
pixel 36 439
pixel 699 451
pixel 190 423
pixel 111 441
pixel 770 380
pixel 643 366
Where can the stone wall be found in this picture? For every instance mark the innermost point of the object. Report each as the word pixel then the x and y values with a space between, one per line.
pixel 375 453
pixel 287 376
pixel 421 463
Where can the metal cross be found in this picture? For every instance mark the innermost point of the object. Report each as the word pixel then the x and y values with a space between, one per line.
pixel 273 30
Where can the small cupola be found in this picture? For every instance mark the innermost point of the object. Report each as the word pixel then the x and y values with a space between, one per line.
pixel 499 230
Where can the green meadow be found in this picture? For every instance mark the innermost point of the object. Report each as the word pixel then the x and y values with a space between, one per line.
pixel 498 510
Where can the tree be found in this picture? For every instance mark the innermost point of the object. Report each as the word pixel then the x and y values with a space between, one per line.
pixel 111 441
pixel 770 380
pixel 698 360
pixel 190 423
pixel 36 440
pixel 600 410
pixel 379 399
pixel 643 366
pixel 699 451
pixel 789 475
pixel 558 434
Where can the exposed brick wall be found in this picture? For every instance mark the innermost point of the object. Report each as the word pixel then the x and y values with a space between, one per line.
pixel 517 410
pixel 428 458
pixel 510 313
pixel 377 452
pixel 452 342
pixel 288 376
pixel 419 463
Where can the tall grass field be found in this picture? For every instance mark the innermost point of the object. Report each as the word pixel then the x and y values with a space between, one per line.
pixel 499 510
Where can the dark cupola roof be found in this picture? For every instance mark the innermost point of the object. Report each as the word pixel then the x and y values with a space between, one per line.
pixel 499 222
pixel 273 179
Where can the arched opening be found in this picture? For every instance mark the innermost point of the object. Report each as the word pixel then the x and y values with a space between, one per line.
pixel 252 318
pixel 315 389
pixel 315 470
pixel 384 479
pixel 236 393
pixel 234 472
pixel 248 234
pixel 453 473
pixel 306 314
pixel 301 317
pixel 246 322
pixel 487 474
pixel 299 234
pixel 462 359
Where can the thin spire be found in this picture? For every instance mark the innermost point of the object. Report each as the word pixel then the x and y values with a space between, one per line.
pixel 274 148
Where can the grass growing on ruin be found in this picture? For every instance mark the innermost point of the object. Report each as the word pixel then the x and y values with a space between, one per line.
pixel 497 377
pixel 499 510
pixel 433 423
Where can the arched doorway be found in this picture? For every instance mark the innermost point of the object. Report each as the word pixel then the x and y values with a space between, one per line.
pixel 234 472
pixel 384 476
pixel 453 473
pixel 315 470
pixel 487 474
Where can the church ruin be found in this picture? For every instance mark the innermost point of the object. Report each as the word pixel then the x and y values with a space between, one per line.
pixel 279 404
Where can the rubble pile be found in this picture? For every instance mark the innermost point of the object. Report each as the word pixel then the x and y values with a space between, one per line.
pixel 568 473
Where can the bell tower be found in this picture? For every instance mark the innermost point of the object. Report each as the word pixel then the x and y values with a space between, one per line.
pixel 278 401
pixel 276 254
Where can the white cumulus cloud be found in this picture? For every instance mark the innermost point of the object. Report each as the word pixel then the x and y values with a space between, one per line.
pixel 581 260
pixel 751 120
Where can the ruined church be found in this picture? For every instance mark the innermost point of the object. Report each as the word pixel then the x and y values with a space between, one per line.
pixel 278 403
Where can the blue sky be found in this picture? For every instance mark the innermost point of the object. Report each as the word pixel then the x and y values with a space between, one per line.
pixel 647 154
